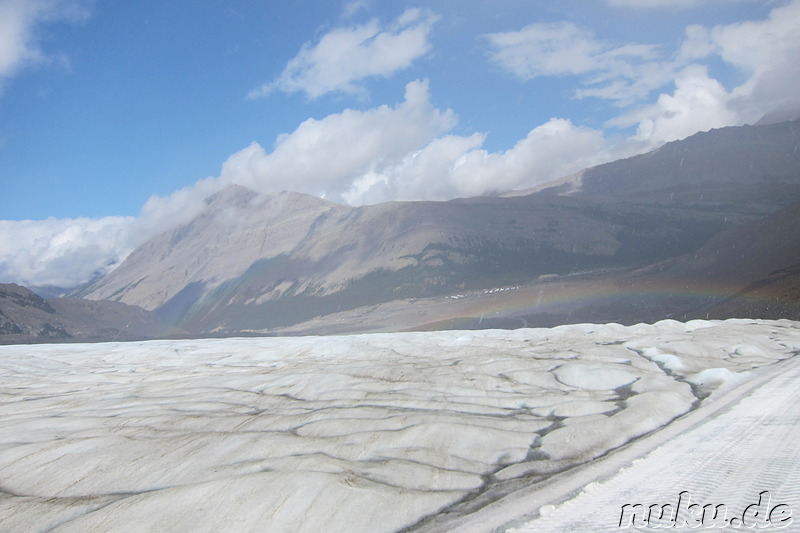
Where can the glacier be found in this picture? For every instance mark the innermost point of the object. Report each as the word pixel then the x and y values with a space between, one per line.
pixel 421 431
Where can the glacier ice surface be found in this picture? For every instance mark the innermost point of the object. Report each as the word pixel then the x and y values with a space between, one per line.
pixel 344 433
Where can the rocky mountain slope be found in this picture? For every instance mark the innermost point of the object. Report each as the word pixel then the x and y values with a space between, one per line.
pixel 26 317
pixel 254 263
pixel 718 162
pixel 755 268
pixel 249 265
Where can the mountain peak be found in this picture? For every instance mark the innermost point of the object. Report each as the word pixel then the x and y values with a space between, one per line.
pixel 233 195
pixel 733 155
pixel 239 196
pixel 786 113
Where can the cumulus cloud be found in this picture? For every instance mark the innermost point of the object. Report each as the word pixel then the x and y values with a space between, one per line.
pixel 322 154
pixel 401 152
pixel 20 23
pixel 323 157
pixel 764 52
pixel 698 103
pixel 64 252
pixel 454 166
pixel 345 56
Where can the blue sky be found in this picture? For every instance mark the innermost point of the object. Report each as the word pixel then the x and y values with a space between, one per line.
pixel 117 118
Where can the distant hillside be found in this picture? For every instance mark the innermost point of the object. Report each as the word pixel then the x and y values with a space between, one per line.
pixel 755 268
pixel 715 161
pixel 249 262
pixel 25 317
pixel 255 266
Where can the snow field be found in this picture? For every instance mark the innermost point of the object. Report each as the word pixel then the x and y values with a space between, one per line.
pixel 741 455
pixel 349 433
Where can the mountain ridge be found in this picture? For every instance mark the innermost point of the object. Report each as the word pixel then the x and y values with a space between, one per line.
pixel 729 154
pixel 26 317
pixel 251 262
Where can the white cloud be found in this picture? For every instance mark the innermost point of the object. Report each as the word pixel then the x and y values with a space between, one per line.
pixel 351 8
pixel 654 3
pixel 623 73
pixel 766 51
pixel 323 156
pixel 345 56
pixel 63 252
pixel 453 166
pixel 547 49
pixel 667 3
pixel 554 149
pixel 161 213
pixel 401 152
pixel 698 103
pixel 422 174
pixel 20 22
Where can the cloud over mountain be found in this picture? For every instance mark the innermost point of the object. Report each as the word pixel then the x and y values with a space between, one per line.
pixel 64 252
pixel 401 152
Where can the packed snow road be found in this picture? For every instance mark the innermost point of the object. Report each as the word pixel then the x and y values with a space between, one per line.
pixel 382 432
pixel 740 469
pixel 732 463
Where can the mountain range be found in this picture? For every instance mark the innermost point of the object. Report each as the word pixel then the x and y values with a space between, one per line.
pixel 26 317
pixel 700 227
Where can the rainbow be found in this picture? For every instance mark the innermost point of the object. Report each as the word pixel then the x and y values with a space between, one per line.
pixel 679 300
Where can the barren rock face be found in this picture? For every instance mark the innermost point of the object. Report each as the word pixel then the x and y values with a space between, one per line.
pixel 245 250
pixel 251 262
pixel 236 229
